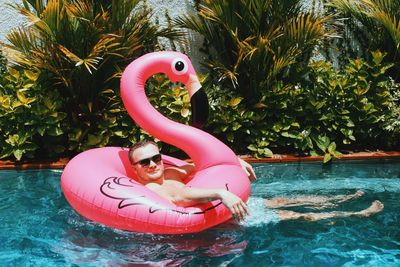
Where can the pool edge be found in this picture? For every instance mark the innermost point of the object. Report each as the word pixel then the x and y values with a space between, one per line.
pixel 60 164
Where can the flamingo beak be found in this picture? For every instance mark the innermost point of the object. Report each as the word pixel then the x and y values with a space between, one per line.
pixel 198 101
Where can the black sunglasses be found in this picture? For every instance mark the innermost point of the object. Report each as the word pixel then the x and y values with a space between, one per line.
pixel 146 162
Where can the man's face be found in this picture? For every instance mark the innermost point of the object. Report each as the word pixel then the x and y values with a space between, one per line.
pixel 154 171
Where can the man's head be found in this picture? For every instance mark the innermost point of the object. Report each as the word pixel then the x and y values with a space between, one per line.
pixel 146 162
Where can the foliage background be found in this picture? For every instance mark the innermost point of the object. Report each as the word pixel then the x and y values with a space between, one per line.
pixel 268 90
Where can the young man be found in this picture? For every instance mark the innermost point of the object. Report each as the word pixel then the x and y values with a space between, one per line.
pixel 146 162
pixel 168 182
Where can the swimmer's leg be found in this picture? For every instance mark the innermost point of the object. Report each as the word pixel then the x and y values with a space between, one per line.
pixel 375 207
pixel 317 202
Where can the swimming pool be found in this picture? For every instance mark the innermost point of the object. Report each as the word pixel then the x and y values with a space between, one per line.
pixel 39 228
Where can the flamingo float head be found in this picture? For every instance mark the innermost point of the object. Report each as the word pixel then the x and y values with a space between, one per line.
pixel 181 70
pixel 178 68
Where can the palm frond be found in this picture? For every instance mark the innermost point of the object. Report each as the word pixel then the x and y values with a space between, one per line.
pixel 255 40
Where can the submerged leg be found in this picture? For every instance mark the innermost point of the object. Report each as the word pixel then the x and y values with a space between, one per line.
pixel 313 201
pixel 375 207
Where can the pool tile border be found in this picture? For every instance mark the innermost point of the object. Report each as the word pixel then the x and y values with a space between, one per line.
pixel 61 163
pixel 352 156
pixel 8 165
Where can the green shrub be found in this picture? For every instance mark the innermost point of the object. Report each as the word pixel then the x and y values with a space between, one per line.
pixel 368 25
pixel 30 117
pixel 2 63
pixel 356 102
pixel 335 110
pixel 251 44
pixel 80 48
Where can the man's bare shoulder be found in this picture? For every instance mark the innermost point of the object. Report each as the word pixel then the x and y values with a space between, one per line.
pixel 179 173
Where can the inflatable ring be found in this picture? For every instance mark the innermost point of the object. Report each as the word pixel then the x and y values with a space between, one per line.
pixel 100 183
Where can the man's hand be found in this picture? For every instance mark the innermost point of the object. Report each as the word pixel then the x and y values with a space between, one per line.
pixel 248 169
pixel 235 205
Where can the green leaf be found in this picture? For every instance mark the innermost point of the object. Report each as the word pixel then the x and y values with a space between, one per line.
pixel 337 154
pixel 120 134
pixel 176 91
pixel 236 126
pixel 235 101
pixel 309 142
pixel 27 85
pixel 290 135
pixel 41 130
pixel 30 146
pixel 55 131
pixel 322 142
pixel 230 137
pixel 13 73
pixel 277 127
pixel 252 147
pixel 18 154
pixel 350 123
pixel 266 152
pixel 185 112
pixel 327 158
pixel 332 148
pixel 33 76
pixel 93 140
pixel 377 57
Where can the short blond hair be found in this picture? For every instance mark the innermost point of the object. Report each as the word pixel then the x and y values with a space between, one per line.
pixel 139 145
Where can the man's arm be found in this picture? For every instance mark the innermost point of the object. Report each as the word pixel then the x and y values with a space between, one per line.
pixel 183 172
pixel 248 169
pixel 189 196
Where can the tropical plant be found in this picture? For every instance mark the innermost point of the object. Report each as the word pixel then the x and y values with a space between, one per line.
pixel 2 63
pixel 81 47
pixel 351 109
pixel 369 25
pixel 253 43
pixel 30 117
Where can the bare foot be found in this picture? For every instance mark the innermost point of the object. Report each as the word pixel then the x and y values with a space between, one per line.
pixel 375 207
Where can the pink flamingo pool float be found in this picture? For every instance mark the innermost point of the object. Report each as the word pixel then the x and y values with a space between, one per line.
pixel 100 184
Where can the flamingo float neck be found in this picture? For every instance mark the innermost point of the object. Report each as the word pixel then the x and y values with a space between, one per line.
pixel 194 142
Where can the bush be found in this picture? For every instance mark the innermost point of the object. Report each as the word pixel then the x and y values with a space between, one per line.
pixel 335 110
pixel 32 125
pixel 30 117
pixel 368 25
pixel 252 44
pixel 80 48
pixel 2 64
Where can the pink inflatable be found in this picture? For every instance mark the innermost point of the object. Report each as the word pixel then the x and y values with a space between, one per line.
pixel 100 184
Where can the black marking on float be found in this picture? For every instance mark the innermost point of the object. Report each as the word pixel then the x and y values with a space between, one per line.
pixel 200 108
pixel 108 182
pixel 112 182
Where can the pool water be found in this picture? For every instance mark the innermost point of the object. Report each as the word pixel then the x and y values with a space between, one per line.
pixel 39 228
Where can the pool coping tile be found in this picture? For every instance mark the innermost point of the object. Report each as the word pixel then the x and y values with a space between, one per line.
pixel 61 163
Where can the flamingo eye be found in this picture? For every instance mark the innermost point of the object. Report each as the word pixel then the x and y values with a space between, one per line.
pixel 179 66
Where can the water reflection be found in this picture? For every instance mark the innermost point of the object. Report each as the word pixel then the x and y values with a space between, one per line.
pixel 92 243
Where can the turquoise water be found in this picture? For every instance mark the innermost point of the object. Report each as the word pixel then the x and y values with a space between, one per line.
pixel 39 228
